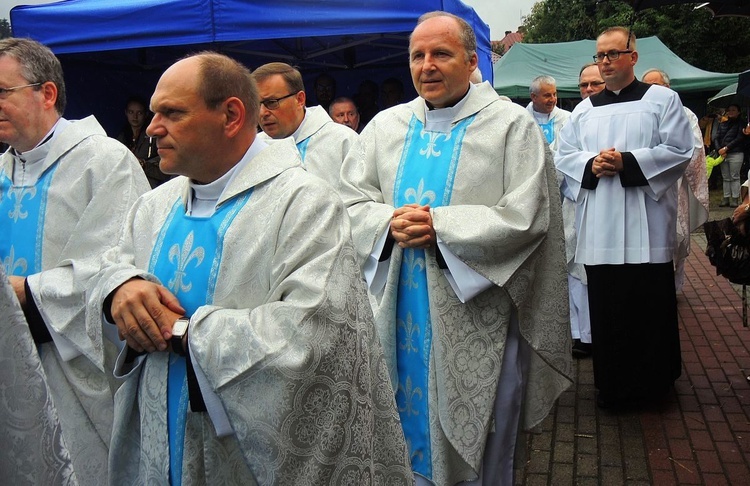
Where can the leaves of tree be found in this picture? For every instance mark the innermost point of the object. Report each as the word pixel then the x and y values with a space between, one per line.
pixel 5 30
pixel 714 44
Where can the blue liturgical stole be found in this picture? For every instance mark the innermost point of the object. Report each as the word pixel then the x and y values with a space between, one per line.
pixel 548 129
pixel 22 213
pixel 425 176
pixel 302 147
pixel 186 258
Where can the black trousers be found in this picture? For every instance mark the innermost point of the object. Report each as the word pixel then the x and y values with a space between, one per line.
pixel 634 330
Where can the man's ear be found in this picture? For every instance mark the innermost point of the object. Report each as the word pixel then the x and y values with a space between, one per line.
pixel 49 93
pixel 234 111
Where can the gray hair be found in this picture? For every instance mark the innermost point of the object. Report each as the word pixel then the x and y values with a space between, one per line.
pixel 465 35
pixel 537 83
pixel 341 99
pixel 664 76
pixel 38 65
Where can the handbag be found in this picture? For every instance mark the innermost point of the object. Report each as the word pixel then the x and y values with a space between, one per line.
pixel 728 250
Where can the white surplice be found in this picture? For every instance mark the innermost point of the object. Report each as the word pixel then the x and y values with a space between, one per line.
pixel 616 224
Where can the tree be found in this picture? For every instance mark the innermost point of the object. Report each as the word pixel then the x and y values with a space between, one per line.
pixel 721 45
pixel 5 30
pixel 497 47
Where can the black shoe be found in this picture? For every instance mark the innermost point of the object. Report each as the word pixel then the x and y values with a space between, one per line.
pixel 724 203
pixel 580 349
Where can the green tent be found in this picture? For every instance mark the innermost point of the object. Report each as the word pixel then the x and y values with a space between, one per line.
pixel 563 61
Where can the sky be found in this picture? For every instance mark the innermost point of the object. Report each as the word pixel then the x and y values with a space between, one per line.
pixel 501 15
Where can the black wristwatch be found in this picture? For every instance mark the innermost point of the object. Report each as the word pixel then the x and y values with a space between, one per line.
pixel 179 331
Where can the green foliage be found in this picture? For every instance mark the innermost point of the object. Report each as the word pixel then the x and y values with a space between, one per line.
pixel 5 30
pixel 714 44
pixel 498 47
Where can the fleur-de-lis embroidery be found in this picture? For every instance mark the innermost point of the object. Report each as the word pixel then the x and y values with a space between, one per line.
pixel 11 264
pixel 409 397
pixel 183 257
pixel 419 196
pixel 412 263
pixel 410 328
pixel 415 455
pixel 19 193
pixel 430 149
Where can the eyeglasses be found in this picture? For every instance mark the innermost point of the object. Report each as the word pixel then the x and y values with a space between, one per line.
pixel 612 55
pixel 593 84
pixel 274 104
pixel 5 91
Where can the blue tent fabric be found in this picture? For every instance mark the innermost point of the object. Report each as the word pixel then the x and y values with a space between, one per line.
pixel 563 61
pixel 79 26
pixel 111 49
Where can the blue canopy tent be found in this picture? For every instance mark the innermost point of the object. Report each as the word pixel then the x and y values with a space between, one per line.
pixel 111 49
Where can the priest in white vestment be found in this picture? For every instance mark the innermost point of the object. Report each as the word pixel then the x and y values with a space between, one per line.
pixel 692 188
pixel 456 218
pixel 622 152
pixel 543 107
pixel 28 418
pixel 251 354
pixel 65 190
pixel 322 143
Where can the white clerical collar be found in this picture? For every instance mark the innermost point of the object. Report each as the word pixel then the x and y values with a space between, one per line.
pixel 441 119
pixel 298 132
pixel 28 166
pixel 202 204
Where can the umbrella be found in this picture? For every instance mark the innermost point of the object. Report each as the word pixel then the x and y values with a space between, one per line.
pixel 736 93
pixel 718 7
pixel 743 84
pixel 725 97
pixel 739 8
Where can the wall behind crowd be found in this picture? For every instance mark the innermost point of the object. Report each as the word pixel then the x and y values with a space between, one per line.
pixel 108 88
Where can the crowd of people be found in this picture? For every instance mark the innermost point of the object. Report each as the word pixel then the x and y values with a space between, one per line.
pixel 252 290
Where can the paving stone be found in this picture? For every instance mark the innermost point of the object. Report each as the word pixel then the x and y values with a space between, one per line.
pixel 587 465
pixel 699 434
pixel 563 453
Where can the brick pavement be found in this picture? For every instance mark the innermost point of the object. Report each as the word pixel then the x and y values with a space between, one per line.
pixel 699 435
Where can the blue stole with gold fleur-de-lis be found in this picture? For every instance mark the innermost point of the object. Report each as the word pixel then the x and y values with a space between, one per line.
pixel 548 129
pixel 302 148
pixel 186 258
pixel 425 176
pixel 22 213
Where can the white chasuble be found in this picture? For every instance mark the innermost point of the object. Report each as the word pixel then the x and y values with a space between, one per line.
pixel 286 343
pixel 34 450
pixel 86 186
pixel 322 144
pixel 502 220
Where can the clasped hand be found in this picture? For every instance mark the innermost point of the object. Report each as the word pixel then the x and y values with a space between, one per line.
pixel 411 226
pixel 607 163
pixel 144 313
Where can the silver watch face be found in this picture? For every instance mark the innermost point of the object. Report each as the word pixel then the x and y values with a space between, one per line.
pixel 180 327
